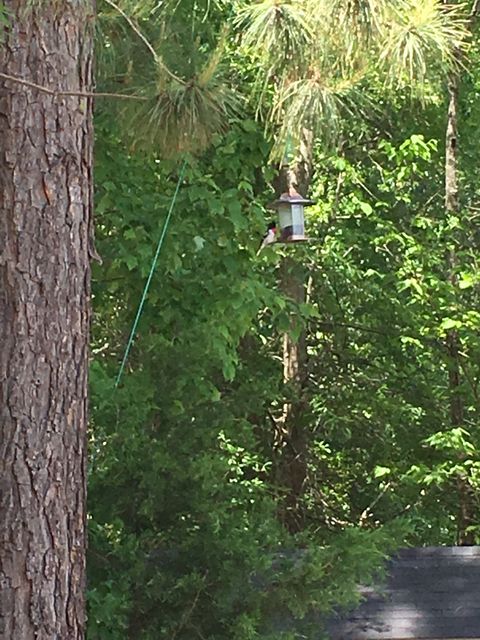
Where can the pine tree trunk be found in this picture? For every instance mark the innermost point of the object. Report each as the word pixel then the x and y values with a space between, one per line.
pixel 291 440
pixel 45 221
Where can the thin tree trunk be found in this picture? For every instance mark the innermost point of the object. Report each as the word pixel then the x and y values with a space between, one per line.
pixel 466 506
pixel 291 440
pixel 45 222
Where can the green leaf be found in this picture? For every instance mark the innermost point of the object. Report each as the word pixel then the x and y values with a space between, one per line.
pixel 129 234
pixel 131 262
pixel 236 216
pixel 308 310
pixel 366 208
pixel 450 323
pixel 199 242
pixel 228 370
pixel 466 281
pixel 381 472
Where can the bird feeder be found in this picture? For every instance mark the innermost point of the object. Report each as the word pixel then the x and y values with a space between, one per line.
pixel 290 207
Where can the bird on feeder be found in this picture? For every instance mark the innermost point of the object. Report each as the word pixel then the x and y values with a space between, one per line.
pixel 290 206
pixel 269 237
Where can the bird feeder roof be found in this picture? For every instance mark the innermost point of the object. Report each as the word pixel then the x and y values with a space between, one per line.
pixel 290 197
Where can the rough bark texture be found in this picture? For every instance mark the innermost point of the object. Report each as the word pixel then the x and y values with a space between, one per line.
pixel 45 220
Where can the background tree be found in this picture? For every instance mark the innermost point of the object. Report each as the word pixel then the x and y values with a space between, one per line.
pixel 466 501
pixel 321 66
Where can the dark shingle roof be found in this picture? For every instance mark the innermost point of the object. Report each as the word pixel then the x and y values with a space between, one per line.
pixel 431 593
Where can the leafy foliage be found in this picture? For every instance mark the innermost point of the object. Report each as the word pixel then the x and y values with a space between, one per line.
pixel 187 97
pixel 188 541
pixel 185 536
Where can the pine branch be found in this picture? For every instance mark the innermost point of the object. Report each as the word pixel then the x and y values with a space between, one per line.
pixel 158 61
pixel 474 12
pixel 80 94
pixel 368 510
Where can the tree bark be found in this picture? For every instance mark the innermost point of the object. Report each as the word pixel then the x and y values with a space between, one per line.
pixel 291 442
pixel 291 439
pixel 466 505
pixel 45 231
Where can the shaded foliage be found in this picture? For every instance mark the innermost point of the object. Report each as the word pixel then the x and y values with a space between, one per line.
pixel 184 533
pixel 185 536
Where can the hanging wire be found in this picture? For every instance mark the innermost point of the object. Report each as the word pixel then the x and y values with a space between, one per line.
pixel 150 275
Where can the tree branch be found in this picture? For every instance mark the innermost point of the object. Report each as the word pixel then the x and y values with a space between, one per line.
pixel 134 27
pixel 331 326
pixel 156 57
pixel 367 512
pixel 80 94
pixel 187 614
pixel 474 13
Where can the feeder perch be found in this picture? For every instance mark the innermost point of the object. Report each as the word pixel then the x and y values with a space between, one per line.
pixel 290 207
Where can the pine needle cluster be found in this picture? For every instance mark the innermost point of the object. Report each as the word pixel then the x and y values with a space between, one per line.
pixel 315 58
pixel 154 54
pixel 312 62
